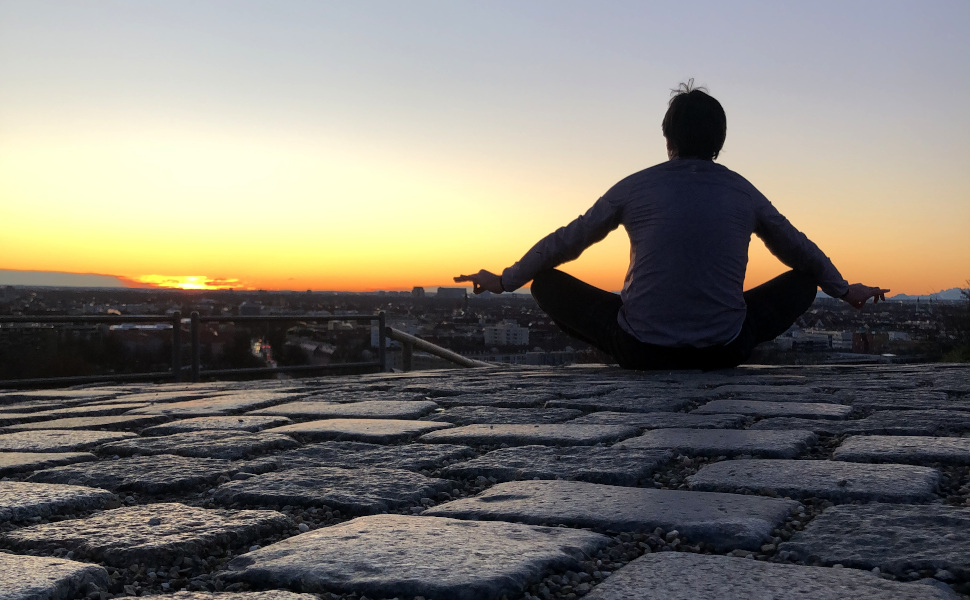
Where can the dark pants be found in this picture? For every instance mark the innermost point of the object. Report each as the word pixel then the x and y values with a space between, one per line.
pixel 589 314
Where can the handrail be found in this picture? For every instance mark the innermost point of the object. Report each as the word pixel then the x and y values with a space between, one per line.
pixel 195 320
pixel 409 342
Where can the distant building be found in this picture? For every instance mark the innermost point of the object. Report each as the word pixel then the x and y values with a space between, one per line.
pixel 452 293
pixel 506 333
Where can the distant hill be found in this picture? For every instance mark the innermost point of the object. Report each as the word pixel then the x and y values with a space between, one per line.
pixel 943 295
pixel 59 279
pixel 950 294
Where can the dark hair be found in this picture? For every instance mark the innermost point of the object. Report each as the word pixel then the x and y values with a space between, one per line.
pixel 695 123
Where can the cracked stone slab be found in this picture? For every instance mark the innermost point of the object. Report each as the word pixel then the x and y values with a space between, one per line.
pixel 262 595
pixel 363 491
pixel 378 431
pixel 15 418
pixel 146 474
pixel 94 410
pixel 551 434
pixel 726 521
pixel 19 462
pixel 894 537
pixel 112 423
pixel 411 457
pixel 757 408
pixel 388 556
pixel 224 404
pixel 836 481
pixel 621 402
pixel 611 466
pixel 687 576
pixel 530 398
pixel 663 420
pixel 470 415
pixel 726 442
pixel 58 440
pixel 38 578
pixel 934 422
pixel 21 500
pixel 917 399
pixel 368 409
pixel 153 533
pixel 904 449
pixel 203 444
pixel 234 423
pixel 824 426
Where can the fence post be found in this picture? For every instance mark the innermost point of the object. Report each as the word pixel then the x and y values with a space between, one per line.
pixel 196 346
pixel 382 341
pixel 177 346
pixel 407 356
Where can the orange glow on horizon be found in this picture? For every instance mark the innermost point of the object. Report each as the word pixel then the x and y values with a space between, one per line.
pixel 187 282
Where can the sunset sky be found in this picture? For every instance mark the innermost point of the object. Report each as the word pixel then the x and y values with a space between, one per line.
pixel 385 144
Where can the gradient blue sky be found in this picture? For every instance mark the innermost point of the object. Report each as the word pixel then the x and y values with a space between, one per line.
pixel 363 145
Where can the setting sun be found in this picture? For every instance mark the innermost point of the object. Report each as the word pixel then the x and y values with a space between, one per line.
pixel 188 282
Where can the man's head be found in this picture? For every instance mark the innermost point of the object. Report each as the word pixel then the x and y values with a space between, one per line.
pixel 695 125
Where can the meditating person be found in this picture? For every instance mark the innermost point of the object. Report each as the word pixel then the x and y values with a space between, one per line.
pixel 690 222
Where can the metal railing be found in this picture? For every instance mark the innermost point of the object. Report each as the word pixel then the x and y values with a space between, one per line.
pixel 408 344
pixel 195 322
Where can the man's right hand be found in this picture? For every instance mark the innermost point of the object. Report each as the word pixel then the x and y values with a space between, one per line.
pixel 483 281
pixel 859 294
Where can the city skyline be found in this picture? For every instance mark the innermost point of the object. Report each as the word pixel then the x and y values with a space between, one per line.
pixel 320 145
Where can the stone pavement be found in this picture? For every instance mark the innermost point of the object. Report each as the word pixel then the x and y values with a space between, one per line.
pixel 550 483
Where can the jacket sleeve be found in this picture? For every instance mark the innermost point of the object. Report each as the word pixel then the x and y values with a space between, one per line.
pixel 793 248
pixel 566 243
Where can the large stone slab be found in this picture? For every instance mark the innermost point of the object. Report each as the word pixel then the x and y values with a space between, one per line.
pixel 832 480
pixel 378 431
pixel 623 402
pixel 903 422
pixel 552 434
pixel 904 449
pixel 263 595
pixel 611 466
pixel 37 578
pixel 470 415
pixel 686 576
pixel 528 398
pixel 153 533
pixel 112 423
pixel 57 440
pixel 93 410
pixel 917 399
pixel 203 444
pixel 231 423
pixel 20 500
pixel 896 538
pixel 226 404
pixel 145 474
pixel 15 418
pixel 726 442
pixel 412 457
pixel 386 556
pixel 756 408
pixel 368 409
pixel 663 420
pixel 364 491
pixel 724 520
pixel 19 462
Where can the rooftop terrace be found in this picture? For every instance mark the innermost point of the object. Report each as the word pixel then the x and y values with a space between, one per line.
pixel 759 482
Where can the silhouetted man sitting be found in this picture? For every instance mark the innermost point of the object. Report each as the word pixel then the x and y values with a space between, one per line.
pixel 690 222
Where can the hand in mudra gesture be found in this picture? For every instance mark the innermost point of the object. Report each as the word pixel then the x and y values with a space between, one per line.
pixel 859 294
pixel 483 281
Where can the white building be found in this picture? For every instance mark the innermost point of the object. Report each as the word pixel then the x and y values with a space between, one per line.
pixel 506 333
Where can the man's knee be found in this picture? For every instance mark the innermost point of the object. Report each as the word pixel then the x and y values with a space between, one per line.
pixel 544 284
